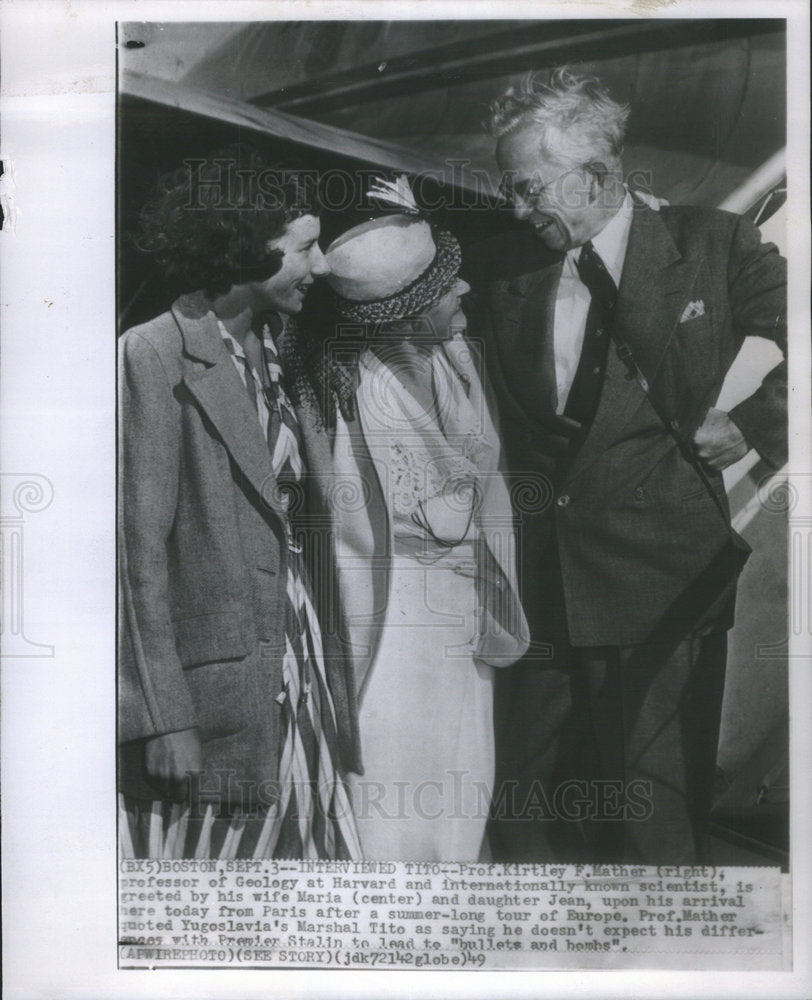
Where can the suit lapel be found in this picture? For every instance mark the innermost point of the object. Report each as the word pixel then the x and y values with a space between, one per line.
pixel 525 340
pixel 219 392
pixel 654 286
pixel 363 543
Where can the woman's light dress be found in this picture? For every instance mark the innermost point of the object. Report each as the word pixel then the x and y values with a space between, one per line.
pixel 426 704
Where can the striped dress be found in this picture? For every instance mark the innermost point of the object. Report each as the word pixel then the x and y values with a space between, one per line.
pixel 313 817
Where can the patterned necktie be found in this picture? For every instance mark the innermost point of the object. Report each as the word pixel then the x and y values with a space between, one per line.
pixel 584 395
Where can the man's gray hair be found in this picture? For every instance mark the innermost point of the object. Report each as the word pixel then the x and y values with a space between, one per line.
pixel 574 116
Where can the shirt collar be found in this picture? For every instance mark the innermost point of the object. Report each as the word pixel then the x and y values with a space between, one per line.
pixel 612 240
pixel 268 337
pixel 232 344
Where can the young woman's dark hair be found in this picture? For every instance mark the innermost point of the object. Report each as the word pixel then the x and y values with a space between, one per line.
pixel 210 224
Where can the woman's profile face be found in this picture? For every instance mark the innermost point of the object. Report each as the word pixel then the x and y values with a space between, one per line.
pixel 302 263
pixel 446 314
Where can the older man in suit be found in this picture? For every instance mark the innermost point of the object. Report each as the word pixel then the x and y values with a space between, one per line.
pixel 607 333
pixel 237 713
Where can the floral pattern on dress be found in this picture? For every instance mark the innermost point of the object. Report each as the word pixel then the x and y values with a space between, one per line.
pixel 416 476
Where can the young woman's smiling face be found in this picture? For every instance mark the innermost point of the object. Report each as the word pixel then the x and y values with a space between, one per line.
pixel 302 262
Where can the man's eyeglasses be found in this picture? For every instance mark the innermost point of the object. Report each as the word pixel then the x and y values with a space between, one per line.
pixel 529 190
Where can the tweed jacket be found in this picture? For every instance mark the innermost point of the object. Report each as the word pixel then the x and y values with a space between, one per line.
pixel 635 527
pixel 203 557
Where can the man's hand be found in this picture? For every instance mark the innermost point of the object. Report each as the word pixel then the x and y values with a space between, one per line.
pixel 170 757
pixel 719 442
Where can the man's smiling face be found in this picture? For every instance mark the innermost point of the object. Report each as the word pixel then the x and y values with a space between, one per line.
pixel 556 198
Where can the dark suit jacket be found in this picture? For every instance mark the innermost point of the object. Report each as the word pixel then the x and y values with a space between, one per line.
pixel 203 559
pixel 635 526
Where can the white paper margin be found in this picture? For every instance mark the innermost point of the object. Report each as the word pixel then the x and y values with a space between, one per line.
pixel 57 320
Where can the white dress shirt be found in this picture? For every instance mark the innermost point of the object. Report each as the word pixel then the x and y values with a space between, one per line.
pixel 573 298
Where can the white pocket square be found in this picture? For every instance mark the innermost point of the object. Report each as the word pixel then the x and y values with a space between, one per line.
pixel 692 311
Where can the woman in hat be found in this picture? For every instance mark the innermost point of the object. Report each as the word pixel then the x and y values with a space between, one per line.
pixel 425 540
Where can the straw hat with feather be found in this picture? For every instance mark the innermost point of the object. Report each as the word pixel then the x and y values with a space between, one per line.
pixel 392 267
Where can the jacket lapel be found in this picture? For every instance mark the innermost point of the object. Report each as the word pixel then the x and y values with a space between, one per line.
pixel 363 543
pixel 218 390
pixel 654 286
pixel 525 340
pixel 503 637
